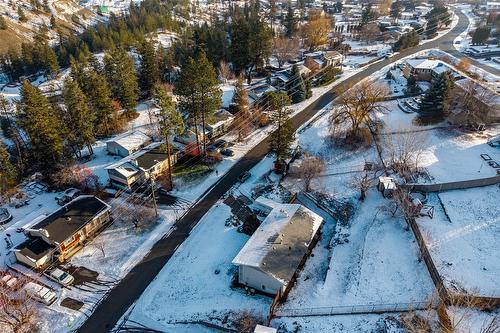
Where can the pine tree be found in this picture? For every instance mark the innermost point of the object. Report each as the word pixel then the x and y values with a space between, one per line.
pixel 149 73
pixel 242 115
pixel 53 23
pixel 208 90
pixel 296 87
pixel 22 16
pixel 101 104
pixel 170 122
pixel 3 23
pixel 78 118
pixel 41 124
pixel 290 21
pixel 435 103
pixel 412 87
pixel 120 73
pixel 8 172
pixel 282 138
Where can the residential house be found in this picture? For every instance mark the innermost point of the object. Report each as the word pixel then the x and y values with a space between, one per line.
pixel 427 69
pixel 487 102
pixel 128 143
pixel 219 124
pixel 133 171
pixel 271 258
pixel 315 61
pixel 64 232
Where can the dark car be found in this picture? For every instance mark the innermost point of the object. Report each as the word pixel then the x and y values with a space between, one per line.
pixel 212 149
pixel 5 216
pixel 227 152
pixel 244 176
pixel 221 143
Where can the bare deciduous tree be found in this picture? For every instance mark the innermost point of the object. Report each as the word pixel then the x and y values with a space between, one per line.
pixel 315 31
pixel 311 168
pixel 285 49
pixel 139 216
pixel 18 312
pixel 370 32
pixel 225 72
pixel 474 101
pixel 404 151
pixel 359 105
pixel 362 183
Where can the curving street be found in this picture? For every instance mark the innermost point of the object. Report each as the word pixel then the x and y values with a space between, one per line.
pixel 122 296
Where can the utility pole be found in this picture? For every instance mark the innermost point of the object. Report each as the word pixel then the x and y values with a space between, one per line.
pixel 153 194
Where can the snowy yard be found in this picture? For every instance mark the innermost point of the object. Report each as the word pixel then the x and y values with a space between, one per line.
pixel 447 154
pixel 373 259
pixel 463 239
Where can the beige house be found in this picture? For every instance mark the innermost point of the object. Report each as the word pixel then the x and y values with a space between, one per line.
pixel 64 232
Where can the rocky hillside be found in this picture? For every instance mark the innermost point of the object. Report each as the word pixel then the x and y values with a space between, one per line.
pixel 22 18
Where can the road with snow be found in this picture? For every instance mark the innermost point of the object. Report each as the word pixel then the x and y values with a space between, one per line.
pixel 122 296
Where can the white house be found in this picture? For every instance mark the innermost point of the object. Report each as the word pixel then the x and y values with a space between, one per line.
pixel 128 143
pixel 279 247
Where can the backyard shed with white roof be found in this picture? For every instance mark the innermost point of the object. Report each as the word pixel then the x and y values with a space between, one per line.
pixel 280 246
pixel 128 143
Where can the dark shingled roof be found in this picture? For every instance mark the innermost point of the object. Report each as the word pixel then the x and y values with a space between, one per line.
pixel 70 218
pixel 35 248
pixel 150 158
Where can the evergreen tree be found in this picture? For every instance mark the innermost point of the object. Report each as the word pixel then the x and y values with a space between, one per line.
pixel 481 35
pixel 296 87
pixel 407 40
pixel 282 138
pixel 290 21
pixel 149 73
pixel 431 27
pixel 198 90
pixel 101 104
pixel 368 14
pixel 53 23
pixel 435 103
pixel 396 9
pixel 242 115
pixel 120 73
pixel 41 124
pixel 8 172
pixel 208 90
pixel 78 118
pixel 3 23
pixel 170 122
pixel 20 13
pixel 412 87
pixel 46 6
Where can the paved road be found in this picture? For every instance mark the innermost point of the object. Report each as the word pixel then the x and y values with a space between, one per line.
pixel 448 47
pixel 122 296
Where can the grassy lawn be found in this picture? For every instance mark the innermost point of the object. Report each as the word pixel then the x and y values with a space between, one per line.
pixel 181 170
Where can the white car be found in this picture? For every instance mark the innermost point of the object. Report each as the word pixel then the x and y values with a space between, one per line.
pixel 40 293
pixel 67 196
pixel 61 277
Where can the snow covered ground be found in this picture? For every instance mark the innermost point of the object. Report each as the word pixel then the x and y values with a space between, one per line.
pixel 463 239
pixel 373 259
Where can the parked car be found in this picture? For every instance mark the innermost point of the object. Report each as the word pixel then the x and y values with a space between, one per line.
pixel 244 176
pixel 227 152
pixel 61 277
pixel 40 293
pixel 212 149
pixel 9 281
pixel 221 143
pixel 5 216
pixel 67 196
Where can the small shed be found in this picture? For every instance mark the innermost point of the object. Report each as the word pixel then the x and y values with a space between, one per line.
pixel 128 143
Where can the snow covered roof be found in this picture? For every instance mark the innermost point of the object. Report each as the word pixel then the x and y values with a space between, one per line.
pixel 423 63
pixel 132 140
pixel 264 329
pixel 280 243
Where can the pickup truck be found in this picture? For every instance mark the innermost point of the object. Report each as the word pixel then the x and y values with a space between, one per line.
pixel 40 293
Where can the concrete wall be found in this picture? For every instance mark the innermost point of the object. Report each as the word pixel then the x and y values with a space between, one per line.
pixel 254 278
